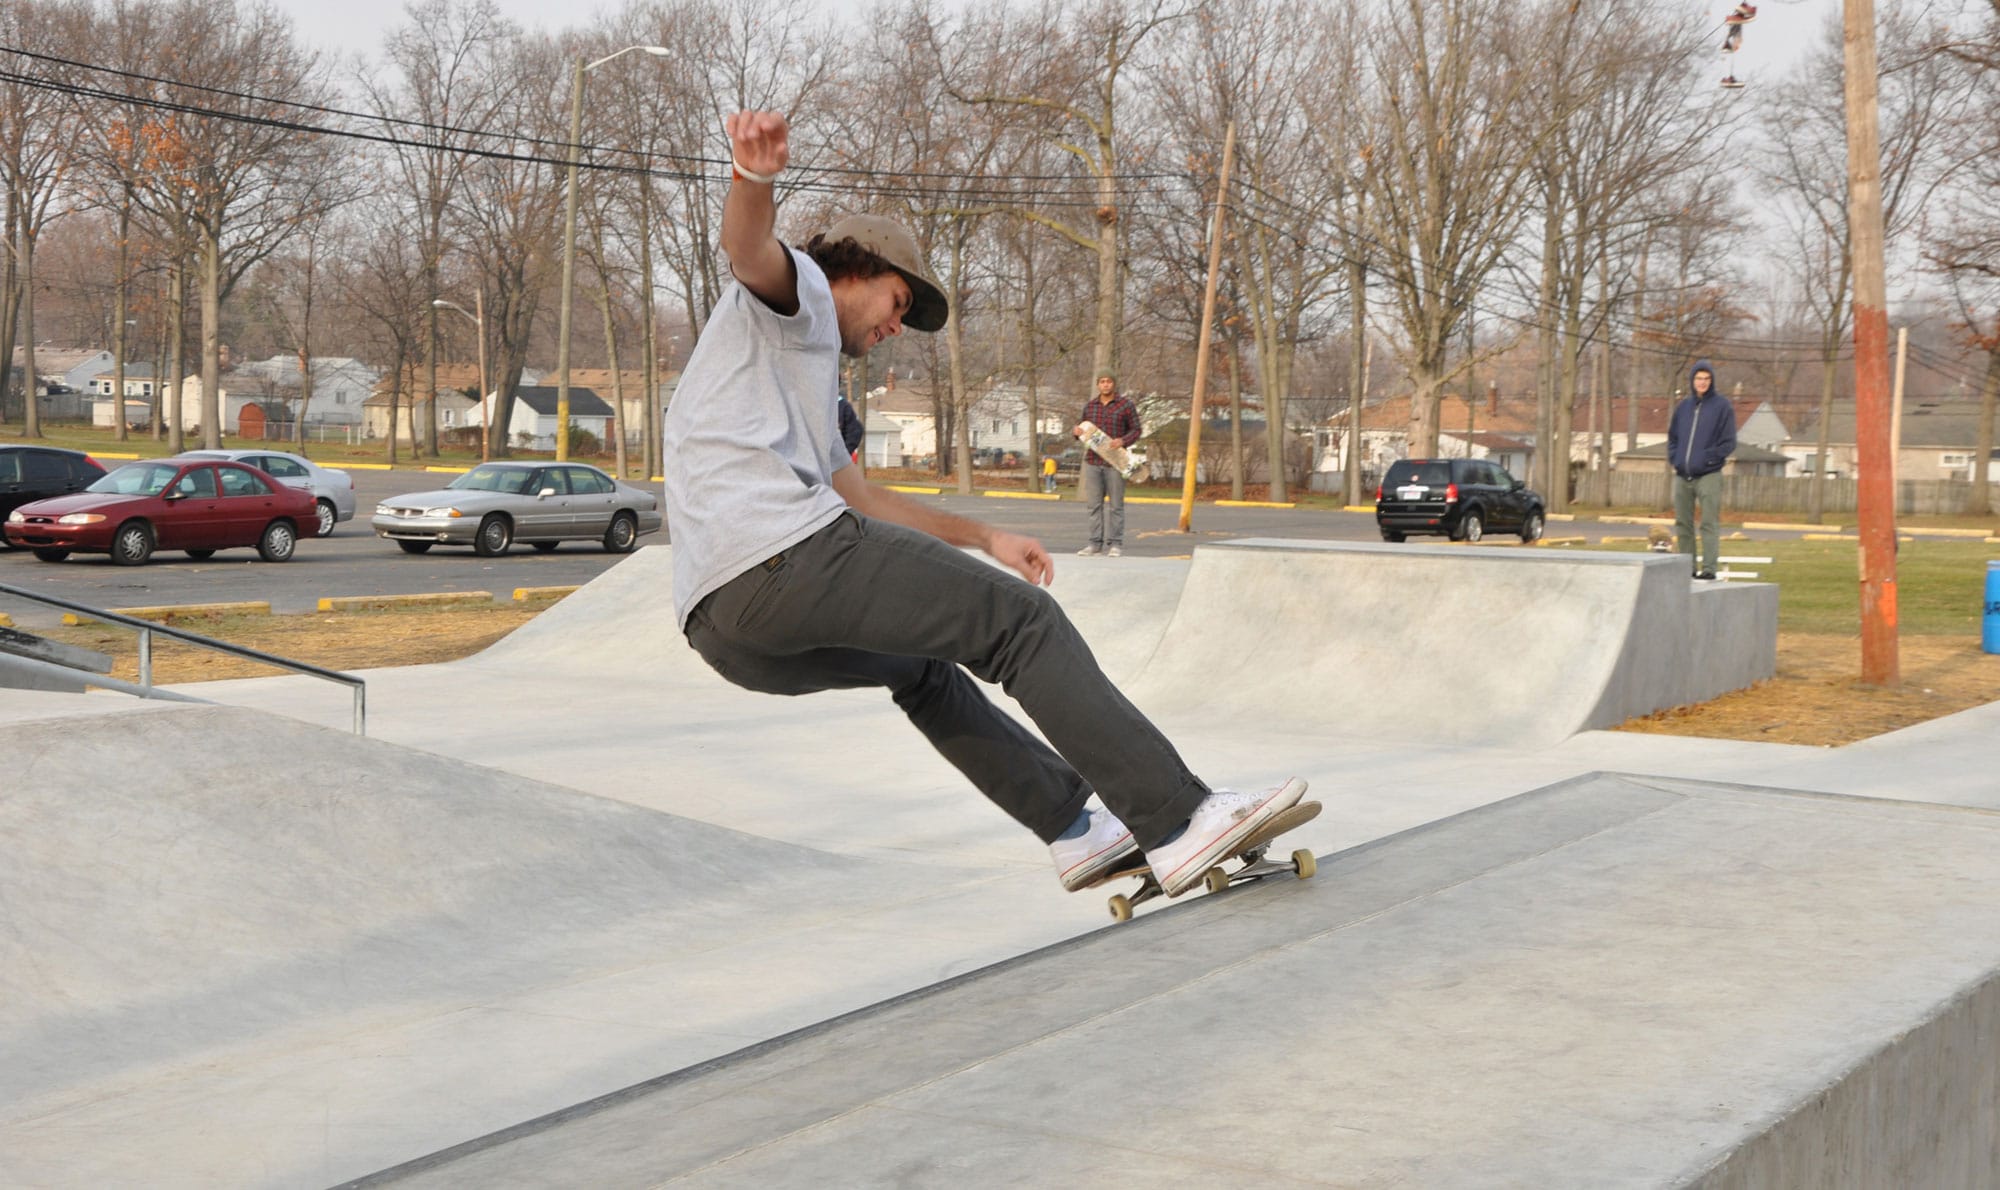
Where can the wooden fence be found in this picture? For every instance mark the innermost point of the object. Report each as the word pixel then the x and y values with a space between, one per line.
pixel 1776 494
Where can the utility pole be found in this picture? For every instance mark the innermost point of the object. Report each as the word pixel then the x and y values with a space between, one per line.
pixel 1207 327
pixel 568 265
pixel 1875 488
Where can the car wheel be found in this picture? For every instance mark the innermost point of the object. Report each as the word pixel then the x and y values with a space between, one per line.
pixel 1470 528
pixel 133 544
pixel 414 547
pixel 495 535
pixel 278 542
pixel 1392 535
pixel 201 555
pixel 1531 529
pixel 545 547
pixel 48 555
pixel 622 534
pixel 328 518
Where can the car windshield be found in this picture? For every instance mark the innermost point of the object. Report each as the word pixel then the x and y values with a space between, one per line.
pixel 492 479
pixel 1432 474
pixel 137 479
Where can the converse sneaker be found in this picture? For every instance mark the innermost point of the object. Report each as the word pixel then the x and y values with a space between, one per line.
pixel 1113 552
pixel 1220 822
pixel 1094 845
pixel 1089 551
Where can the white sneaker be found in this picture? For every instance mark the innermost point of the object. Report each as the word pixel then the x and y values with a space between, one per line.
pixel 1089 551
pixel 1096 851
pixel 1219 823
pixel 1114 552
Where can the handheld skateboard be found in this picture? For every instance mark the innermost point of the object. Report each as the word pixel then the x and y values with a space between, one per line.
pixel 1094 438
pixel 1251 851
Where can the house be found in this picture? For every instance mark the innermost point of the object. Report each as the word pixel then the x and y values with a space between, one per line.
pixel 1939 436
pixel 629 388
pixel 454 380
pixel 139 407
pixel 1465 428
pixel 65 375
pixel 1748 459
pixel 533 425
pixel 997 420
pixel 882 442
pixel 341 386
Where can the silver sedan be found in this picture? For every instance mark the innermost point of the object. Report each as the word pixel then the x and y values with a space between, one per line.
pixel 332 488
pixel 496 504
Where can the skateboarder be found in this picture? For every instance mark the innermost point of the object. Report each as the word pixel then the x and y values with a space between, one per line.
pixel 1102 486
pixel 793 573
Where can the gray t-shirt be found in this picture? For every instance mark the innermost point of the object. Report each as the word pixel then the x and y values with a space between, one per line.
pixel 753 436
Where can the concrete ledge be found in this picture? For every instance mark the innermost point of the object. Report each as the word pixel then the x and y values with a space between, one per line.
pixel 524 594
pixel 252 608
pixel 355 603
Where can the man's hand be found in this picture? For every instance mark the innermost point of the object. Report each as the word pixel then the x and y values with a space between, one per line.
pixel 1024 555
pixel 761 141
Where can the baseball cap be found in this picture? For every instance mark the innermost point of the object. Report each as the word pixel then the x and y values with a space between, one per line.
pixel 887 239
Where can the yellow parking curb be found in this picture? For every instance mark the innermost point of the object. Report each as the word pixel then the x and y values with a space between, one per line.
pixel 1357 508
pixel 997 495
pixel 1558 516
pixel 1788 526
pixel 255 608
pixel 1152 500
pixel 1254 504
pixel 1993 541
pixel 1827 537
pixel 365 467
pixel 1974 534
pixel 449 470
pixel 523 594
pixel 1570 540
pixel 1622 540
pixel 1635 520
pixel 6 621
pixel 359 603
pixel 896 487
pixel 110 454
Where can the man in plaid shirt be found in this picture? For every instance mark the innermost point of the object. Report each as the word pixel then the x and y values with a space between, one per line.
pixel 1103 485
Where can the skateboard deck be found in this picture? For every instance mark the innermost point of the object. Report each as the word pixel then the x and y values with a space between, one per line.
pixel 1094 438
pixel 1250 851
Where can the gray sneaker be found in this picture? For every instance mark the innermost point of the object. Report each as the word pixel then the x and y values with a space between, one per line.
pixel 1220 822
pixel 1114 552
pixel 1096 851
pixel 1089 551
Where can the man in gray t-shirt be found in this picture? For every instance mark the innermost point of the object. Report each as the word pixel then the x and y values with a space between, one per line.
pixel 793 573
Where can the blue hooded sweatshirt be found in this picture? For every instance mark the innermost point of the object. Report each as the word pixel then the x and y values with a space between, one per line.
pixel 1702 434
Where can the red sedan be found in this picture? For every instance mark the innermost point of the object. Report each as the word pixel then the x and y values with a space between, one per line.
pixel 196 505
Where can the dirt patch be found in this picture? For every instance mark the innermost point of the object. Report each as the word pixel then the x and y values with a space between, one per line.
pixel 337 640
pixel 1817 696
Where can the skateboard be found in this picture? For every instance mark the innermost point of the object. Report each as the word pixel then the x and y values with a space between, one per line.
pixel 1251 851
pixel 1094 438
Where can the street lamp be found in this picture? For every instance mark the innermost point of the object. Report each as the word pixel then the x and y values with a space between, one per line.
pixel 479 320
pixel 569 238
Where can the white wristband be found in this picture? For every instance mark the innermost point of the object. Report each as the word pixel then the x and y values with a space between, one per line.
pixel 749 175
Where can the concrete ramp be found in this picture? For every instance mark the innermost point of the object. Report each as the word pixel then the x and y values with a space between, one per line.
pixel 239 950
pixel 1610 982
pixel 1446 644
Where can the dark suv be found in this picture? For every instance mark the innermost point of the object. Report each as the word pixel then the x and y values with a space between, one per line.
pixel 38 472
pixel 1461 498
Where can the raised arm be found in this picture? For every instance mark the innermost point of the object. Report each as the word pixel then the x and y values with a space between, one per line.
pixel 760 144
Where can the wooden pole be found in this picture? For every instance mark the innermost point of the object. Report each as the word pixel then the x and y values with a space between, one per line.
pixel 1207 326
pixel 1876 489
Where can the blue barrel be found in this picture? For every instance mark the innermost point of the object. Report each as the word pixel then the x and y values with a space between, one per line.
pixel 1989 639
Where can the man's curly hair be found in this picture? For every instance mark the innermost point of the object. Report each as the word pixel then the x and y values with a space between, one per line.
pixel 845 257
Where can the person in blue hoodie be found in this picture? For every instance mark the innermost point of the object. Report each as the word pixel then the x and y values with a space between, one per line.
pixel 1700 438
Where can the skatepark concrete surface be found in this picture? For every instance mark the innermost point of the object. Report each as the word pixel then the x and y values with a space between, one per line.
pixel 578 913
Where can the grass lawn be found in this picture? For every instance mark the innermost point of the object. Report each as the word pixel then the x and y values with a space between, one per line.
pixel 1940 585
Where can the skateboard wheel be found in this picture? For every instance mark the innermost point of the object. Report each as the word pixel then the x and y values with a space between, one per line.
pixel 1304 864
pixel 1215 880
pixel 1121 907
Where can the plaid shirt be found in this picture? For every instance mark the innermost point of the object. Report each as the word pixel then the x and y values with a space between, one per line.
pixel 1119 420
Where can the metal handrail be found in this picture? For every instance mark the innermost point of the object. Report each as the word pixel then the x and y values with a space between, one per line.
pixel 147 628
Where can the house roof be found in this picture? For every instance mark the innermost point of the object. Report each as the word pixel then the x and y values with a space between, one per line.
pixel 1925 423
pixel 451 378
pixel 134 370
pixel 583 402
pixel 57 359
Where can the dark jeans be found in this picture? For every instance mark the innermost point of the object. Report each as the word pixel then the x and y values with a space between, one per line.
pixel 868 603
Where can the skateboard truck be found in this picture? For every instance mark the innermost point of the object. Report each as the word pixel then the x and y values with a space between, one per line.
pixel 1254 864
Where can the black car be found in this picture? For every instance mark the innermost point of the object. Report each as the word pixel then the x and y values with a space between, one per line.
pixel 1459 498
pixel 29 473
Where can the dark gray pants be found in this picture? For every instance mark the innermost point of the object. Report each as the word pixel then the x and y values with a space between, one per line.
pixel 1103 492
pixel 869 603
pixel 1706 492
